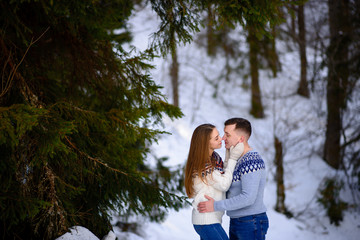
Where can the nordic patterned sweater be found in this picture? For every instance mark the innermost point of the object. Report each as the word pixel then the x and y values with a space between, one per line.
pixel 218 182
pixel 245 196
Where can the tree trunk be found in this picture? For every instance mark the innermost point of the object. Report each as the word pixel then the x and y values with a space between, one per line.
pixel 337 79
pixel 275 63
pixel 256 105
pixel 210 33
pixel 174 74
pixel 268 46
pixel 303 89
pixel 293 22
pixel 279 178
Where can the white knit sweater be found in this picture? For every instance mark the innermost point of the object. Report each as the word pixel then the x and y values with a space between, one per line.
pixel 216 187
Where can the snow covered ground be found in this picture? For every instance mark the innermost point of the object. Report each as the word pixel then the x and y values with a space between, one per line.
pixel 293 119
pixel 304 170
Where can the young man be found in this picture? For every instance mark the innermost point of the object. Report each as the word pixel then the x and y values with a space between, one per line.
pixel 244 200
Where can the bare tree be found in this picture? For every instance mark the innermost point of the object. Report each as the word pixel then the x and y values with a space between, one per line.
pixel 279 178
pixel 303 89
pixel 338 74
pixel 174 68
pixel 257 109
pixel 174 75
pixel 211 44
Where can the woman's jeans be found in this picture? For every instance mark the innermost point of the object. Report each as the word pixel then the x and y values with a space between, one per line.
pixel 252 227
pixel 211 232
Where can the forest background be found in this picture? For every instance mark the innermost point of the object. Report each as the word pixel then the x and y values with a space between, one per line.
pixel 79 111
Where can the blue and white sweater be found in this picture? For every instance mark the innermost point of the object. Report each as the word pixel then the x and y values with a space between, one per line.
pixel 245 195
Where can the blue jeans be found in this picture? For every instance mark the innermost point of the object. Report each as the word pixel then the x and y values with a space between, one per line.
pixel 211 232
pixel 252 227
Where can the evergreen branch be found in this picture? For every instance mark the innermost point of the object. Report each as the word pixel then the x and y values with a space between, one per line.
pixel 96 159
pixel 4 68
pixel 14 68
pixel 9 80
pixel 71 106
pixel 121 172
pixel 54 212
pixel 66 184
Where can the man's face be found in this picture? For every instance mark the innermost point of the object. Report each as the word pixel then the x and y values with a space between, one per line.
pixel 231 137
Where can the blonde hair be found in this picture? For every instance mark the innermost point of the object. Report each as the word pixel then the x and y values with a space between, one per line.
pixel 198 156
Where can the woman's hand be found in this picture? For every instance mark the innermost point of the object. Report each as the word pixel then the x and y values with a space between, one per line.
pixel 237 151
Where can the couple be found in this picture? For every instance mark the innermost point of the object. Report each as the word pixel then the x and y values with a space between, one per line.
pixel 241 176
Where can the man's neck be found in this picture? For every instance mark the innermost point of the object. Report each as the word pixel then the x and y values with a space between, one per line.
pixel 247 148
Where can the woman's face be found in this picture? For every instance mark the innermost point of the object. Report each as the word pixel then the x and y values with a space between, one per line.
pixel 215 140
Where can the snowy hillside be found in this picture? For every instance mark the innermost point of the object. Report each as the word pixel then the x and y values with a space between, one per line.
pixel 295 120
pixel 304 170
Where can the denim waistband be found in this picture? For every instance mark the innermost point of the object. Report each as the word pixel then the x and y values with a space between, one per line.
pixel 251 216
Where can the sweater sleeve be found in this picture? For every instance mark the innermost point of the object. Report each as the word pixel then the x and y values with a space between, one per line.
pixel 247 196
pixel 227 156
pixel 223 181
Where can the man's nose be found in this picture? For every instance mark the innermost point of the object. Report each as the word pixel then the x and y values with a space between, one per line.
pixel 223 138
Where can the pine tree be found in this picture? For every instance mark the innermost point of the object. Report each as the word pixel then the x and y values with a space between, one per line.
pixel 74 111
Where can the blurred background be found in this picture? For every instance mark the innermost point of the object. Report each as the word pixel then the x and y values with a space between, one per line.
pixel 99 101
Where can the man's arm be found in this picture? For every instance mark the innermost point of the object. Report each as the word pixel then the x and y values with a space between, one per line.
pixel 207 206
pixel 250 186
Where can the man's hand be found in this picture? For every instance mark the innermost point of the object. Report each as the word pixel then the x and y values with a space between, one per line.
pixel 207 206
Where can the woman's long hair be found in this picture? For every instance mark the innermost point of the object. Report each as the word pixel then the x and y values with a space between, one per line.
pixel 198 156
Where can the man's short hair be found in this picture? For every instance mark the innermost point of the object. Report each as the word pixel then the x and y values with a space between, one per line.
pixel 240 124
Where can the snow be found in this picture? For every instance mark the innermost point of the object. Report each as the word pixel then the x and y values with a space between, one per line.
pixel 284 110
pixel 78 232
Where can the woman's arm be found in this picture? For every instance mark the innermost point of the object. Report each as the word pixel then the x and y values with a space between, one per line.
pixel 223 181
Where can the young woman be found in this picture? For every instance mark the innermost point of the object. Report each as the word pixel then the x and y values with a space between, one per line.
pixel 207 174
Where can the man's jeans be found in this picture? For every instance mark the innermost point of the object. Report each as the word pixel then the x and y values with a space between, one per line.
pixel 252 227
pixel 211 232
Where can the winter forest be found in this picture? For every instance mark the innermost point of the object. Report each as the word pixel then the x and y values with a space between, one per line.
pixel 99 100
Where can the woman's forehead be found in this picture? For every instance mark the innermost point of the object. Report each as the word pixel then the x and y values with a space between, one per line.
pixel 215 132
